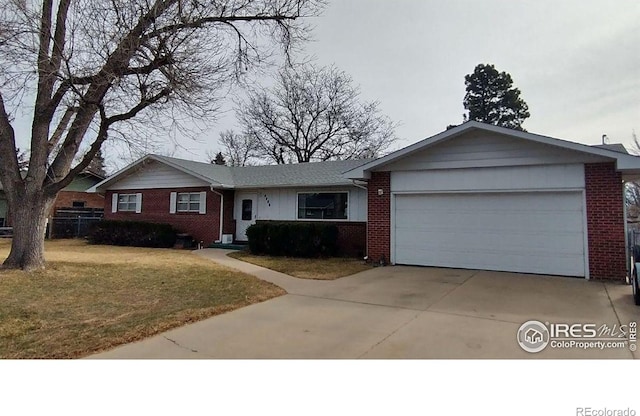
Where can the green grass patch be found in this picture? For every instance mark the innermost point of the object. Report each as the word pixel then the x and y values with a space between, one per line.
pixel 317 268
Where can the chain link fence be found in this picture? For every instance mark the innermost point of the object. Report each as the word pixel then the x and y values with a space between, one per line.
pixel 69 227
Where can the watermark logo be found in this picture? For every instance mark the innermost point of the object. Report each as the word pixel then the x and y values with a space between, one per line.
pixel 533 336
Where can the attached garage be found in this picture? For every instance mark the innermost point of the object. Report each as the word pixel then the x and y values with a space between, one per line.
pixel 530 232
pixel 484 197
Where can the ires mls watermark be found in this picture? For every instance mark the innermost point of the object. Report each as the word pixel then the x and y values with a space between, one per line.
pixel 535 336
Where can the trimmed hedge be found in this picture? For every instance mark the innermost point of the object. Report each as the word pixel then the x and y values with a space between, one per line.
pixel 293 239
pixel 132 233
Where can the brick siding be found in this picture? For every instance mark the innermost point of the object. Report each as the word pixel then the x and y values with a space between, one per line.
pixel 379 217
pixel 605 221
pixel 155 208
pixel 65 199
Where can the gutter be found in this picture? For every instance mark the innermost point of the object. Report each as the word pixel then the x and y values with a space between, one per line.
pixel 357 185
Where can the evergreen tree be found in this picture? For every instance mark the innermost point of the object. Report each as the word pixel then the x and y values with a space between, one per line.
pixel 219 159
pixel 96 166
pixel 491 98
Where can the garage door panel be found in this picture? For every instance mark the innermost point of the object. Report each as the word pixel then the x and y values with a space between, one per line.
pixel 497 261
pixel 453 220
pixel 535 232
pixel 568 243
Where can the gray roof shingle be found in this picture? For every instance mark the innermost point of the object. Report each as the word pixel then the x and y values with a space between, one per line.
pixel 266 176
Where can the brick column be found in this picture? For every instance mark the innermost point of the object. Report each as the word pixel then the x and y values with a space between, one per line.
pixel 379 217
pixel 605 221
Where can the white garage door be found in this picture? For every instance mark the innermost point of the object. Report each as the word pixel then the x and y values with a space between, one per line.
pixel 536 232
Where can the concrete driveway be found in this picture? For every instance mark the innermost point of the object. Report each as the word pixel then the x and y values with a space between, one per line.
pixel 395 312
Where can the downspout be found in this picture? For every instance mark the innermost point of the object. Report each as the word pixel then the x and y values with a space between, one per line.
pixel 626 232
pixel 359 186
pixel 366 227
pixel 221 210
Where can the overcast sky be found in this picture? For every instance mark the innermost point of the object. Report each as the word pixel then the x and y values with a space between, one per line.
pixel 577 63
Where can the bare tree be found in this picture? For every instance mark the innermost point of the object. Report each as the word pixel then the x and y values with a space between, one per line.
pixel 103 69
pixel 314 114
pixel 632 188
pixel 240 149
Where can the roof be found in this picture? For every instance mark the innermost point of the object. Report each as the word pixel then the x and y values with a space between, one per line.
pixel 265 176
pixel 307 174
pixel 616 147
pixel 625 162
pixel 80 175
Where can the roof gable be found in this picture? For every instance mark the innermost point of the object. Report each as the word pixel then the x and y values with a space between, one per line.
pixel 155 174
pixel 627 163
pixel 480 148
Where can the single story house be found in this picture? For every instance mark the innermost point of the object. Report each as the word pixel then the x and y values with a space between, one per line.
pixel 475 196
pixel 218 203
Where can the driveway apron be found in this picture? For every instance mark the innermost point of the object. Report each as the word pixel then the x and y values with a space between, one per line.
pixel 392 312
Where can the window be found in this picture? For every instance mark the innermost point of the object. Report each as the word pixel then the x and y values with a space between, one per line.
pixel 323 206
pixel 127 202
pixel 247 209
pixel 78 204
pixel 188 202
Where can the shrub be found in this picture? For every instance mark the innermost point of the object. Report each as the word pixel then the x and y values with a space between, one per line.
pixel 293 239
pixel 132 233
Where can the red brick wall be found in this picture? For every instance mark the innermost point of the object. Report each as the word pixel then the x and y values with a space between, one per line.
pixel 605 221
pixel 155 208
pixel 379 217
pixel 65 199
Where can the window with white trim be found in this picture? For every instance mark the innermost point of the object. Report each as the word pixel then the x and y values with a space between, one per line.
pixel 323 206
pixel 188 202
pixel 127 202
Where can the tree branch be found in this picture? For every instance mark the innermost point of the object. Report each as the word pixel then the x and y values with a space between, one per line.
pixel 218 19
pixel 59 35
pixel 62 126
pixel 9 166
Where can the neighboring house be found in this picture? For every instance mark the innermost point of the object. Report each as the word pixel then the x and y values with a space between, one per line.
pixel 72 196
pixel 475 196
pixel 75 195
pixel 210 201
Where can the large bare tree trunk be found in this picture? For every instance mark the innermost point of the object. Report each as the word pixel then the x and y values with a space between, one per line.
pixel 29 219
pixel 147 60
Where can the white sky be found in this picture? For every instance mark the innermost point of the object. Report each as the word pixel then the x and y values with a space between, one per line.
pixel 577 63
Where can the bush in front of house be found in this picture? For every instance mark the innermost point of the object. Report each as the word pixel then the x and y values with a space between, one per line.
pixel 132 233
pixel 293 239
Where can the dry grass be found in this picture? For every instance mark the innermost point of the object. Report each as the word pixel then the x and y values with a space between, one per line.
pixel 319 269
pixel 91 298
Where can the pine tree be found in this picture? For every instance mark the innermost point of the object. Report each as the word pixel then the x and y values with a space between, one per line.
pixel 96 166
pixel 491 98
pixel 219 159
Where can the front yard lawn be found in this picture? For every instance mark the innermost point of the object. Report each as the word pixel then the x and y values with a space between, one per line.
pixel 320 269
pixel 92 298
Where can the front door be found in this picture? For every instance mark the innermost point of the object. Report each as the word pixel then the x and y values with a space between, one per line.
pixel 246 214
